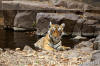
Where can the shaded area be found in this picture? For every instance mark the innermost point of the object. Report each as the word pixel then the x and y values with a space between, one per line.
pixel 13 40
pixel 70 42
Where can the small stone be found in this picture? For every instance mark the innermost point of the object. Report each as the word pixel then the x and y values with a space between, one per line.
pixel 28 49
pixel 41 57
pixel 1 49
pixel 17 49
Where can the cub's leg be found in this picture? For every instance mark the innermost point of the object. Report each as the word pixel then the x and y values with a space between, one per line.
pixel 48 48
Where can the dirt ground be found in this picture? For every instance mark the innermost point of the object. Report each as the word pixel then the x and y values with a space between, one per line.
pixel 30 57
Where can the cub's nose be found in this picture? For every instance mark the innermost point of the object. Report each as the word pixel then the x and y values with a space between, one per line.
pixel 57 38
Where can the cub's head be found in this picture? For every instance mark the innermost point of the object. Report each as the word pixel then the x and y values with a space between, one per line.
pixel 56 31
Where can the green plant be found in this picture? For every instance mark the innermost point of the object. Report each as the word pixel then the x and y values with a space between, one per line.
pixel 34 24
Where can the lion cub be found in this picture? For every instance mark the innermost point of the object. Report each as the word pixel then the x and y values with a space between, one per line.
pixel 52 40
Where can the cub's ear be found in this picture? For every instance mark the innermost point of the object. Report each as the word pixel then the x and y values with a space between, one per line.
pixel 50 23
pixel 63 25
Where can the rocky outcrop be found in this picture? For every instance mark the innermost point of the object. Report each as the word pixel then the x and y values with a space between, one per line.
pixel 70 15
pixel 47 5
pixel 96 55
pixel 97 43
pixel 88 44
pixel 29 5
pixel 72 4
pixel 95 59
pixel 74 24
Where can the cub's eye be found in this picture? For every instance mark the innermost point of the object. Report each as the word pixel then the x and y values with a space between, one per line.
pixel 59 29
pixel 53 28
pixel 49 26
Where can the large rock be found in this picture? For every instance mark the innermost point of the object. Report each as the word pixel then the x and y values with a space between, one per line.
pixel 97 43
pixel 9 16
pixel 84 45
pixel 46 4
pixel 96 55
pixel 94 21
pixel 93 63
pixel 97 29
pixel 78 27
pixel 94 15
pixel 43 20
pixel 29 5
pixel 72 4
pixel 85 27
pixel 74 24
pixel 88 30
pixel 95 59
pixel 25 19
pixel 14 6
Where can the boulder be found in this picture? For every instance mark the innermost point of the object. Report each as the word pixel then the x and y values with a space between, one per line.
pixel 95 59
pixel 29 5
pixel 92 63
pixel 97 29
pixel 24 19
pixel 72 4
pixel 43 20
pixel 9 16
pixel 93 15
pixel 46 5
pixel 85 28
pixel 97 43
pixel 14 6
pixel 96 55
pixel 91 22
pixel 84 44
pixel 78 27
pixel 1 50
pixel 74 24
pixel 88 30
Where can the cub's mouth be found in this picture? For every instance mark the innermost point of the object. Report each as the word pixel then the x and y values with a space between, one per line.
pixel 55 40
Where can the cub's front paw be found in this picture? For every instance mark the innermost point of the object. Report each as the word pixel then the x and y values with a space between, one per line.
pixel 62 48
pixel 67 48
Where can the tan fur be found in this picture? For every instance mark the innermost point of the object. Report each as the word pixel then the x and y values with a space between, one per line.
pixel 44 42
